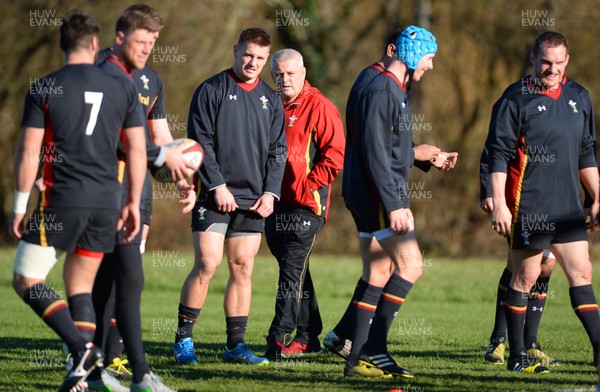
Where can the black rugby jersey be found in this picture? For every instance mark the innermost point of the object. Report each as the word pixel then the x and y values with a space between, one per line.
pixel 83 111
pixel 541 139
pixel 151 97
pixel 363 79
pixel 376 168
pixel 241 128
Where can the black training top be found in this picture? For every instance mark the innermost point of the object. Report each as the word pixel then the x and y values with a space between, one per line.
pixel 541 139
pixel 241 128
pixel 83 111
pixel 376 167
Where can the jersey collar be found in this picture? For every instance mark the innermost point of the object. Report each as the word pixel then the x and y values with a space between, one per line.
pixel 246 86
pixel 114 59
pixel 553 93
pixel 391 75
pixel 378 67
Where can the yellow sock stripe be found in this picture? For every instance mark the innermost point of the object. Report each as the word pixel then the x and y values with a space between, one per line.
pixel 365 306
pixel 586 308
pixel 538 295
pixel 85 325
pixel 515 309
pixel 393 298
pixel 54 306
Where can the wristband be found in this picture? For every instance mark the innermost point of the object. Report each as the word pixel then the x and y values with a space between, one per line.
pixel 20 204
pixel 161 158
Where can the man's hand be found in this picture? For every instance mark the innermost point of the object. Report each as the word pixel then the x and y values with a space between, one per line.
pixel 594 216
pixel 16 225
pixel 501 220
pixel 445 161
pixel 39 184
pixel 225 200
pixel 425 152
pixel 401 220
pixel 177 165
pixel 487 205
pixel 187 196
pixel 130 221
pixel 264 205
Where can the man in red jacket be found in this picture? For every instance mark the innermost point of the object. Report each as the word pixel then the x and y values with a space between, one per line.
pixel 316 142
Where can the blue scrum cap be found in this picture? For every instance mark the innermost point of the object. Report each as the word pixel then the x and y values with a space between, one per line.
pixel 414 43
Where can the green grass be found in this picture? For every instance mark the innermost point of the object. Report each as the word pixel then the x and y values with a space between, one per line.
pixel 440 333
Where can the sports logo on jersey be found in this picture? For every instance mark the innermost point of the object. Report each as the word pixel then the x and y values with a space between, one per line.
pixel 144 100
pixel 232 97
pixel 264 101
pixel 542 108
pixel 201 212
pixel 292 119
pixel 526 235
pixel 573 105
pixel 145 80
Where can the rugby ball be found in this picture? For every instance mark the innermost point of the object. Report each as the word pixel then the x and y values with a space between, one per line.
pixel 192 152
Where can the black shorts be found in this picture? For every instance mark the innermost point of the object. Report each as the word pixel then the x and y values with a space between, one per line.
pixel 369 219
pixel 207 218
pixel 540 234
pixel 68 229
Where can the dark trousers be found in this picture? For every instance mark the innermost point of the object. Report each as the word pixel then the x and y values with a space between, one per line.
pixel 291 233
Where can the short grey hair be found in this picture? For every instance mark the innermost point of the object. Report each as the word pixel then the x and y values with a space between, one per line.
pixel 285 55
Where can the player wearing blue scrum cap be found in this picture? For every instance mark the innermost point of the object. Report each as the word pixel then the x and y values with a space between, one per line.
pixel 339 339
pixel 375 191
pixel 413 44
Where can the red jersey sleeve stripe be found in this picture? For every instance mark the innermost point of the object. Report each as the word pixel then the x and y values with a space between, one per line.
pixel 518 185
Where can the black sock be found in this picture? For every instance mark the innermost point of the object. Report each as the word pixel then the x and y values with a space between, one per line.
pixel 585 306
pixel 103 297
pixel 364 310
pixel 499 332
pixel 54 311
pixel 186 319
pixel 515 305
pixel 393 296
pixel 343 329
pixel 129 276
pixel 114 343
pixel 535 308
pixel 236 329
pixel 82 312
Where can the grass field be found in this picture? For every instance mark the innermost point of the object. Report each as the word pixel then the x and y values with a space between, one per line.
pixel 440 332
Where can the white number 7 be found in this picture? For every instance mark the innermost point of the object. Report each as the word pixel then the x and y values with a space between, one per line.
pixel 94 99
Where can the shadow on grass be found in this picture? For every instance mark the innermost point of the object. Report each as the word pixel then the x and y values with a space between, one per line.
pixel 39 361
pixel 307 371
